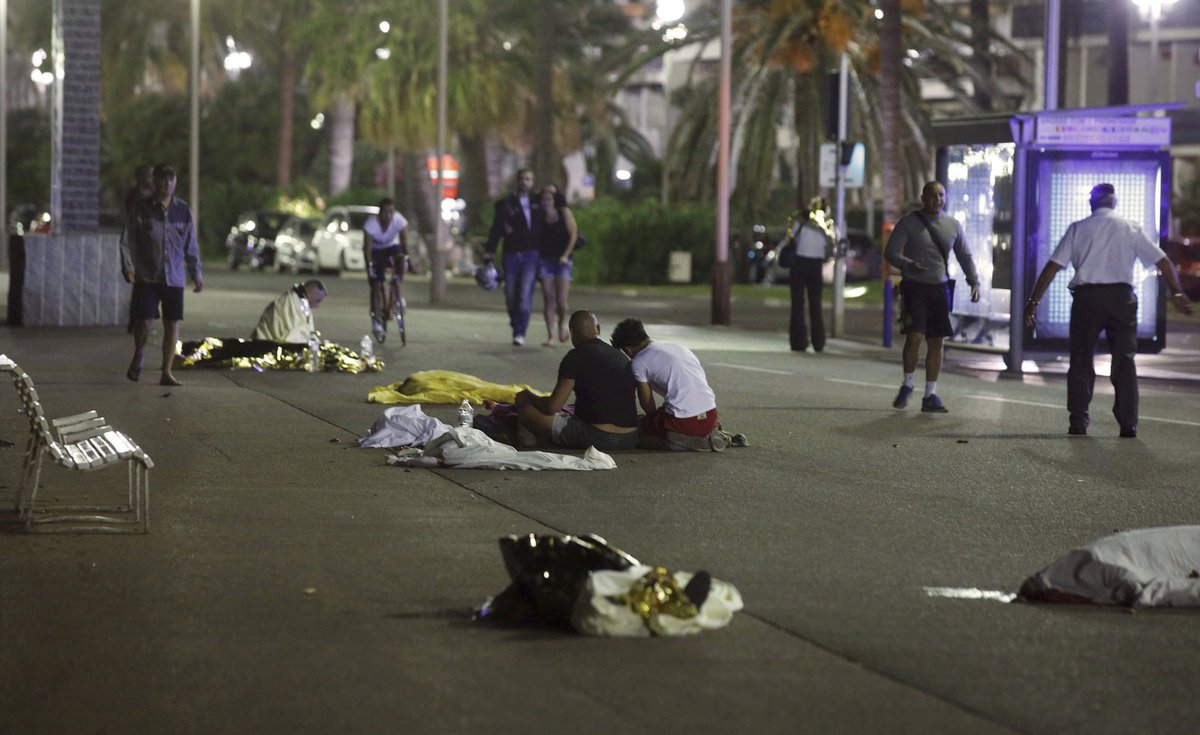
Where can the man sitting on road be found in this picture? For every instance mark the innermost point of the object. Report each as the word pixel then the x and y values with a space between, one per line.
pixel 289 318
pixel 605 415
pixel 687 420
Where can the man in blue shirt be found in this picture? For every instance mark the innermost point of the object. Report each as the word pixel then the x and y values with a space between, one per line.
pixel 157 246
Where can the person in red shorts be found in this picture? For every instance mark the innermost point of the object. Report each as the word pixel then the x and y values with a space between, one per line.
pixel 687 420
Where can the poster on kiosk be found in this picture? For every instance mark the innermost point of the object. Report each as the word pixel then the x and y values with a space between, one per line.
pixel 1015 195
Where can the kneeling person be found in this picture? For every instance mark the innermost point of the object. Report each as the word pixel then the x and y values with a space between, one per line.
pixel 289 318
pixel 598 373
pixel 688 417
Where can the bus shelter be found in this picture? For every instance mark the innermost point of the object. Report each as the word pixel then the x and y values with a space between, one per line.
pixel 1016 182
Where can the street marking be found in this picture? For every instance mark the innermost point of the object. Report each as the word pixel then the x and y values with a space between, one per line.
pixel 859 382
pixel 752 369
pixel 998 399
pixel 969 593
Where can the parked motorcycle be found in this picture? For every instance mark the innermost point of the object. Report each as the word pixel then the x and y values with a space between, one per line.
pixel 251 241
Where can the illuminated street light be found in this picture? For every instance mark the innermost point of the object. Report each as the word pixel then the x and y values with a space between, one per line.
pixel 1153 9
pixel 669 11
pixel 39 57
pixel 318 121
pixel 383 54
pixel 236 61
pixel 384 26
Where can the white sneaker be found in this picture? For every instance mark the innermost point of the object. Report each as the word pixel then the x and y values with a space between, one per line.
pixel 377 330
pixel 518 340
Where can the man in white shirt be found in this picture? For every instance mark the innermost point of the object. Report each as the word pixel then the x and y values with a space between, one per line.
pixel 687 420
pixel 1103 248
pixel 385 245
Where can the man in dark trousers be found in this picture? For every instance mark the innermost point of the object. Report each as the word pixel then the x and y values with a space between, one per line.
pixel 1103 249
pixel 920 249
pixel 158 246
pixel 518 220
pixel 601 378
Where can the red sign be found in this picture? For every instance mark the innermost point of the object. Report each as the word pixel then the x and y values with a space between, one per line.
pixel 449 174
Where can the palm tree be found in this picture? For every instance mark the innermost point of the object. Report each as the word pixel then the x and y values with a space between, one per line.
pixel 781 51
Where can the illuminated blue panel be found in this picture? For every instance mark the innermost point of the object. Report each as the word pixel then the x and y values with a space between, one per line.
pixel 979 194
pixel 1062 186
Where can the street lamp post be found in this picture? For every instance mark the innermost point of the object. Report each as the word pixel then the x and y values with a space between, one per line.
pixel 721 311
pixel 437 275
pixel 194 159
pixel 1153 9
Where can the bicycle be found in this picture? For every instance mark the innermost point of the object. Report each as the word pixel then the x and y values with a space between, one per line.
pixel 394 303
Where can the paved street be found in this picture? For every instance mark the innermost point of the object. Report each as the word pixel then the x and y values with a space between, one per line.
pixel 292 584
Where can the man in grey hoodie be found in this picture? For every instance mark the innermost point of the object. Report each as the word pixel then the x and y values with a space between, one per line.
pixel 920 249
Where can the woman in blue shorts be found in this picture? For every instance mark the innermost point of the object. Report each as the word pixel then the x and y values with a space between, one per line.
pixel 558 238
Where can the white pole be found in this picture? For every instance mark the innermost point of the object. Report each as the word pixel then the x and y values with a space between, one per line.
pixel 1050 70
pixel 194 163
pixel 437 279
pixel 4 129
pixel 839 261
pixel 721 302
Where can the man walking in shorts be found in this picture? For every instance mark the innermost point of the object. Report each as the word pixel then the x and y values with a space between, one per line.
pixel 920 249
pixel 157 245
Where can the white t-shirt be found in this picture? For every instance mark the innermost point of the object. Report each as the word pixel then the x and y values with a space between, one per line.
pixel 1103 248
pixel 673 372
pixel 381 238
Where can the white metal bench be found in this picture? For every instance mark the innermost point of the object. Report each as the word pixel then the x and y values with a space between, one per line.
pixel 81 442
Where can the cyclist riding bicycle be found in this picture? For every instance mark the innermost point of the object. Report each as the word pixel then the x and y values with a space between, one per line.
pixel 385 245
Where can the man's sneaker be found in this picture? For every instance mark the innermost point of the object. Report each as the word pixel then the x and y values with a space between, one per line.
pixel 377 331
pixel 518 339
pixel 1129 432
pixel 932 404
pixel 1077 431
pixel 902 397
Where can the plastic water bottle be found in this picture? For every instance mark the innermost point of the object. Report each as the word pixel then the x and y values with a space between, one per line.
pixel 466 414
pixel 367 349
pixel 314 354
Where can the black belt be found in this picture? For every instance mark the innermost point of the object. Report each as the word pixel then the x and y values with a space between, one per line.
pixel 1096 286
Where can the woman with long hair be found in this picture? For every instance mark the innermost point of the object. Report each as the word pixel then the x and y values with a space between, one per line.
pixel 559 234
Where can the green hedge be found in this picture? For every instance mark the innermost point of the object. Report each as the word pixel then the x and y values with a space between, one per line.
pixel 631 242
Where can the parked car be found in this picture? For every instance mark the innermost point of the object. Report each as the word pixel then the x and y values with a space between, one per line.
pixel 338 240
pixel 863 261
pixel 294 251
pixel 251 240
pixel 1184 252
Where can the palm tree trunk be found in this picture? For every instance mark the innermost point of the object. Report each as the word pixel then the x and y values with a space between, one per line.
pixel 474 178
pixel 545 168
pixel 341 144
pixel 287 110
pixel 980 20
pixel 891 61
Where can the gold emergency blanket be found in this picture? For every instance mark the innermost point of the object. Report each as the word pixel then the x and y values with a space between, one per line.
pixel 446 387
pixel 243 354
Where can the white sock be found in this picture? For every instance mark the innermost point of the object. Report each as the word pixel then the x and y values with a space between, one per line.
pixel 930 387
pixel 908 380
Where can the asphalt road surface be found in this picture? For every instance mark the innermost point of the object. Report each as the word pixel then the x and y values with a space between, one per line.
pixel 294 584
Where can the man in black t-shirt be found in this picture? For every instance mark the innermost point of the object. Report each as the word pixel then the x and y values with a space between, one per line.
pixel 605 408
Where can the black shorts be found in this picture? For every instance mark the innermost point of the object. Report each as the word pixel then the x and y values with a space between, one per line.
pixel 147 296
pixel 384 258
pixel 926 308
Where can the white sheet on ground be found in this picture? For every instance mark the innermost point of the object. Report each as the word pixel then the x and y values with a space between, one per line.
pixel 472 449
pixel 403 426
pixel 1147 567
pixel 599 609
